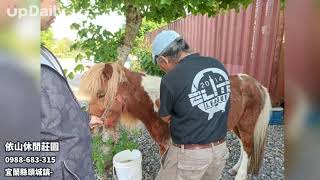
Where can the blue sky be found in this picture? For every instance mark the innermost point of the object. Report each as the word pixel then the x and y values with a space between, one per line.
pixel 61 27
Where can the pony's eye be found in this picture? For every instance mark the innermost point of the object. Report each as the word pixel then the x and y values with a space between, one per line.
pixel 101 96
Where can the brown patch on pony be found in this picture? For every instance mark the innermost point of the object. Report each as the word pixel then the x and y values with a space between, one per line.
pixel 107 71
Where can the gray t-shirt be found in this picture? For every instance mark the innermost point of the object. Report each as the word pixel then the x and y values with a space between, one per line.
pixel 196 94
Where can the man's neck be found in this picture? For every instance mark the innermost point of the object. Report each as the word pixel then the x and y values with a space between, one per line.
pixel 184 54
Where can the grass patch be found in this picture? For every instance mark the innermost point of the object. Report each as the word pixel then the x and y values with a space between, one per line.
pixel 99 158
pixel 102 160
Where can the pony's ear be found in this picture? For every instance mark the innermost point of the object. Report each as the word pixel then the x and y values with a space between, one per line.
pixel 107 72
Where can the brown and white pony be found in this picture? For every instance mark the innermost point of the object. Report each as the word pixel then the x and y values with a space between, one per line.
pixel 131 97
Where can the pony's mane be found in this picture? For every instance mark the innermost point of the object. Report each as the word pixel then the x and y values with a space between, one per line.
pixel 93 81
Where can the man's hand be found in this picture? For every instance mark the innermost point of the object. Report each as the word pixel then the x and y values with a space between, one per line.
pixel 166 119
pixel 95 122
pixel 158 103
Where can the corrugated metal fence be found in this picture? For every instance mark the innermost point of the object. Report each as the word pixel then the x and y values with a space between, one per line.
pixel 248 41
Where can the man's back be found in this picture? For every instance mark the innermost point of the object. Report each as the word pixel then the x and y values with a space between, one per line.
pixel 196 93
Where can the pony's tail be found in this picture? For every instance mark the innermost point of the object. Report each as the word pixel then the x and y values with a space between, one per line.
pixel 259 137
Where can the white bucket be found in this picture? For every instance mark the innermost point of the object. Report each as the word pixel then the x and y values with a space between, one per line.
pixel 127 165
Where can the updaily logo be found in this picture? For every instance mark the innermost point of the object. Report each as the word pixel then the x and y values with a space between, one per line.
pixel 33 10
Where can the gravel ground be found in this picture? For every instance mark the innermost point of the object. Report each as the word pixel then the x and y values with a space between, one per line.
pixel 273 162
pixel 272 167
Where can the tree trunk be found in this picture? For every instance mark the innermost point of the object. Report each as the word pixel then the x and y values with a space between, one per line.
pixel 133 23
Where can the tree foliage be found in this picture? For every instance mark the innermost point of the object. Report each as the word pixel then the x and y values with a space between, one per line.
pixel 142 50
pixel 96 43
pixel 62 48
pixel 105 46
pixel 282 4
pixel 154 10
pixel 47 38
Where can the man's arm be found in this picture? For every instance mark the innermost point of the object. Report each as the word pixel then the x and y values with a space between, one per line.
pixel 166 99
pixel 166 119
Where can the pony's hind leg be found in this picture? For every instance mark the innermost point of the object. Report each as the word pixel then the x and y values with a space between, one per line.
pixel 243 169
pixel 234 170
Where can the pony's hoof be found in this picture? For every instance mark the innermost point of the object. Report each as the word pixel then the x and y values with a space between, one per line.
pixel 241 177
pixel 232 172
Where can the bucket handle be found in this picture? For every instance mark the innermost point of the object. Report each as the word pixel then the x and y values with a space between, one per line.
pixel 114 172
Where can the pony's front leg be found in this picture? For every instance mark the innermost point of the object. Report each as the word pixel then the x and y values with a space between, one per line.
pixel 234 170
pixel 243 169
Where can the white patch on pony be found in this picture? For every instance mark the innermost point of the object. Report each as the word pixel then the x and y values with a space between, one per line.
pixel 263 121
pixel 151 85
pixel 129 121
pixel 243 169
pixel 241 76
pixel 233 171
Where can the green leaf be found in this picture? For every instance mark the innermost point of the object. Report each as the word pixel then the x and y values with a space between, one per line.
pixel 88 54
pixel 71 75
pixel 79 68
pixel 75 26
pixel 106 33
pixel 65 71
pixel 168 2
pixel 78 58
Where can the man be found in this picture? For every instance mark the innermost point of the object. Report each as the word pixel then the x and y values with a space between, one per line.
pixel 62 119
pixel 194 99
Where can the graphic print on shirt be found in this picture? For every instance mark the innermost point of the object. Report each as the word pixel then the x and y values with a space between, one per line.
pixel 210 91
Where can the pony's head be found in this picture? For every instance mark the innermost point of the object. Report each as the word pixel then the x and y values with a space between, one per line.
pixel 100 84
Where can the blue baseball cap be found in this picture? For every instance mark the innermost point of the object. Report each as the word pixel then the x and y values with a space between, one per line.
pixel 162 41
